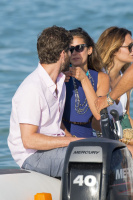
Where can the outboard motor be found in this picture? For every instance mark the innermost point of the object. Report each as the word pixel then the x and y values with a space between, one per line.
pixel 117 126
pixel 97 169
pixel 107 131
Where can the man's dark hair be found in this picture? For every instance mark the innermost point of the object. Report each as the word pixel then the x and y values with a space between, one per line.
pixel 51 42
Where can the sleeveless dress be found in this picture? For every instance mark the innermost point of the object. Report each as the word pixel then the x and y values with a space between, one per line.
pixel 78 124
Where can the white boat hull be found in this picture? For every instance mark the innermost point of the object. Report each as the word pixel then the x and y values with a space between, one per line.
pixel 23 185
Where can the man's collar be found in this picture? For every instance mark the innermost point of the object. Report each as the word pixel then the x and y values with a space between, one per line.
pixel 47 79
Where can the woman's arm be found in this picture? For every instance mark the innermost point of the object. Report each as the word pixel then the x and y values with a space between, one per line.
pixel 124 85
pixel 102 89
pixel 103 84
pixel 128 108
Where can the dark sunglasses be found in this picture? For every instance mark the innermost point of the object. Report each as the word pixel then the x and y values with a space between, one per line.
pixel 79 48
pixel 130 46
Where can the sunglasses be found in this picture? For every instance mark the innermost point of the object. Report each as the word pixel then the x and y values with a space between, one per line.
pixel 130 46
pixel 79 48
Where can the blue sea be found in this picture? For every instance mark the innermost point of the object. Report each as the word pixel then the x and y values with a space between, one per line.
pixel 21 22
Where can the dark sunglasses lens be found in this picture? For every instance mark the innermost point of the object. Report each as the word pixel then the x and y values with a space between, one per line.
pixel 79 48
pixel 130 47
pixel 72 49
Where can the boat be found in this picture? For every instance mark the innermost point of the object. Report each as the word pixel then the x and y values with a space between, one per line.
pixel 94 168
pixel 19 184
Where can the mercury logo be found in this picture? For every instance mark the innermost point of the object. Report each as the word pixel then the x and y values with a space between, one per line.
pixel 86 152
pixel 124 173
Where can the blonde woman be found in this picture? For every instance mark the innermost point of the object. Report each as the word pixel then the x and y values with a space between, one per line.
pixel 115 46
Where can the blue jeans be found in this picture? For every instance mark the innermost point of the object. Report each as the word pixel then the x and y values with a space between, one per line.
pixel 48 162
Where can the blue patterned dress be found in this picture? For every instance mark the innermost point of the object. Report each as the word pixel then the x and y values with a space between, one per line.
pixel 71 115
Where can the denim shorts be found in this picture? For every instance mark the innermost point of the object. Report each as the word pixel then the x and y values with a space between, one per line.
pixel 48 162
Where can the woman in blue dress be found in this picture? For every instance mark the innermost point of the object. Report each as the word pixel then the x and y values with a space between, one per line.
pixel 87 81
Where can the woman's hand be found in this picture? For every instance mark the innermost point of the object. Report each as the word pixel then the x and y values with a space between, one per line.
pixel 78 73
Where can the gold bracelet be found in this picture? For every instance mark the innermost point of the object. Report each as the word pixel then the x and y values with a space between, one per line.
pixel 110 101
pixel 74 136
pixel 110 97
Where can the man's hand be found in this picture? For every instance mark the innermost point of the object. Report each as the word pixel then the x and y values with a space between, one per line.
pixel 68 74
pixel 100 103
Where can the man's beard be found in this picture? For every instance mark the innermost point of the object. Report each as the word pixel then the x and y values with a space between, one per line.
pixel 65 66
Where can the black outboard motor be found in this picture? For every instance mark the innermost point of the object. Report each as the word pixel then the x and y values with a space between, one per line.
pixel 107 131
pixel 97 169
pixel 117 126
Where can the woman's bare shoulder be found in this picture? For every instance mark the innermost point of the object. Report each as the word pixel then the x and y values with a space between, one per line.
pixel 103 76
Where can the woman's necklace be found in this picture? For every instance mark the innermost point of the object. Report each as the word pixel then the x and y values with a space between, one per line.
pixel 81 108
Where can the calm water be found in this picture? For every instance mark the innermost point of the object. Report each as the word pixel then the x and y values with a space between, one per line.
pixel 20 23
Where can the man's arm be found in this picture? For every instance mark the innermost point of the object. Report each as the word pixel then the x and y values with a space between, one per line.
pixel 33 140
pixel 124 85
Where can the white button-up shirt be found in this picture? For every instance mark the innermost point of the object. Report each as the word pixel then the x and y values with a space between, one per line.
pixel 36 102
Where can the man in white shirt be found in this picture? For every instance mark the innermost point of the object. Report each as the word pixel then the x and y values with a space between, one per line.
pixel 36 140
